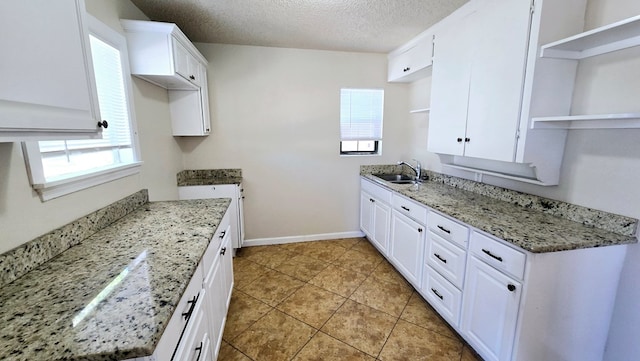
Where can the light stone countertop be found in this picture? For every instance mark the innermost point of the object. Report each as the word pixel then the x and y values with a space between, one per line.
pixel 204 177
pixel 111 296
pixel 529 229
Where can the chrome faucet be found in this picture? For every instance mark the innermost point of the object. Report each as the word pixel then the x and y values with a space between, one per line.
pixel 417 169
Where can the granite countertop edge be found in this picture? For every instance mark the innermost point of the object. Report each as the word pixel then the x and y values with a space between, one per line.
pixel 556 234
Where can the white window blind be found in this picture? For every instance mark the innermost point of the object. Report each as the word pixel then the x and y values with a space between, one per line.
pixel 361 114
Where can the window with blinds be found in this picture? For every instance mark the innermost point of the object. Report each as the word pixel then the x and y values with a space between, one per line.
pixel 61 167
pixel 361 113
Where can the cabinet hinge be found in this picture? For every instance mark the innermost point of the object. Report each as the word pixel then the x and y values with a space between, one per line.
pixel 518 134
pixel 533 6
pixel 433 47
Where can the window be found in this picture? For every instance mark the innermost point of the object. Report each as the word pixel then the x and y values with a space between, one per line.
pixel 361 121
pixel 60 167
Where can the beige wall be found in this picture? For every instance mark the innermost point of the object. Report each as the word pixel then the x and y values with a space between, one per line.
pixel 275 114
pixel 23 216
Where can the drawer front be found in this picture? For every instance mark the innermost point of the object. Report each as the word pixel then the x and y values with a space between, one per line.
pixel 446 258
pixel 498 255
pixel 448 229
pixel 442 295
pixel 195 343
pixel 377 191
pixel 410 209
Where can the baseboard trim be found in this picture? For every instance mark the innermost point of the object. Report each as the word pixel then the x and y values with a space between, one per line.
pixel 293 239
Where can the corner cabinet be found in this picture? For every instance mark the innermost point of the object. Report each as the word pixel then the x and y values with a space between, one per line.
pixel 489 83
pixel 162 55
pixel 48 88
pixel 506 302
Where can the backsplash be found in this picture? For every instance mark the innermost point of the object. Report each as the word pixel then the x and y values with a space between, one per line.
pixel 587 216
pixel 30 255
pixel 190 174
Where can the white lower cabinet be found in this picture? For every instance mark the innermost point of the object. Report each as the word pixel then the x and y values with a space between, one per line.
pixel 407 246
pixel 375 214
pixel 218 282
pixel 491 301
pixel 507 303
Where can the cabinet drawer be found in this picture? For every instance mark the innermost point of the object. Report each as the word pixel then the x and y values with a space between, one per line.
pixel 448 229
pixel 498 255
pixel 410 208
pixel 377 191
pixel 446 258
pixel 442 295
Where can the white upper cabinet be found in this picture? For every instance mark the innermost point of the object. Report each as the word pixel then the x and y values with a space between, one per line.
pixel 411 61
pixel 48 88
pixel 489 83
pixel 161 54
pixel 479 66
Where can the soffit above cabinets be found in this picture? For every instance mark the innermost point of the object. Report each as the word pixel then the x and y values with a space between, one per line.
pixel 346 25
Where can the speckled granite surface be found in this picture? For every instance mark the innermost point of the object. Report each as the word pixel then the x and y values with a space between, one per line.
pixel 147 257
pixel 523 220
pixel 203 177
pixel 30 255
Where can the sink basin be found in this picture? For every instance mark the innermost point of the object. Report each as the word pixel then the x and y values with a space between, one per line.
pixel 395 178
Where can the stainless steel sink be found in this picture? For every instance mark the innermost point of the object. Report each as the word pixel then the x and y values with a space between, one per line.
pixel 396 178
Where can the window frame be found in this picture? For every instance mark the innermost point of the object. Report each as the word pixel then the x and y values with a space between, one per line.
pixel 31 151
pixel 377 142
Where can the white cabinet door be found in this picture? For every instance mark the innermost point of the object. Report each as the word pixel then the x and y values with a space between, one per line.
pixel 497 76
pixel 404 66
pixel 366 213
pixel 47 76
pixel 490 310
pixel 196 344
pixel 407 247
pixel 452 55
pixel 381 222
pixel 226 254
pixel 478 75
pixel 214 284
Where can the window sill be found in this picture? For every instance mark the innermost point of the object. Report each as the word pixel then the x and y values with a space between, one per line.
pixel 51 190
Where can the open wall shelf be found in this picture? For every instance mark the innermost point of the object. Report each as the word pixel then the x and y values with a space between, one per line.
pixel 599 121
pixel 617 36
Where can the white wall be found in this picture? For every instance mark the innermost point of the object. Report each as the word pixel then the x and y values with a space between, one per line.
pixel 275 114
pixel 23 216
pixel 601 168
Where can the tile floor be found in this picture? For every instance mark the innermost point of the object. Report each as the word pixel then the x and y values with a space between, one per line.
pixel 330 300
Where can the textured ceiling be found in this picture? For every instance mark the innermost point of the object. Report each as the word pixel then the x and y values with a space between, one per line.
pixel 348 25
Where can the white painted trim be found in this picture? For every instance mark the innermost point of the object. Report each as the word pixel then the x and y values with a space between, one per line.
pixel 306 238
pixel 60 188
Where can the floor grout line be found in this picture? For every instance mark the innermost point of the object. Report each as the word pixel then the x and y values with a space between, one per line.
pixel 336 263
